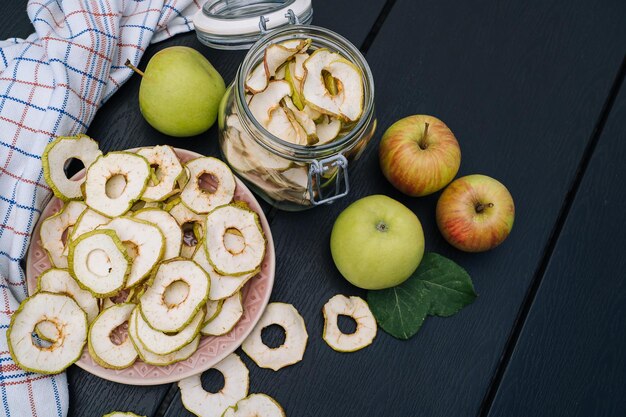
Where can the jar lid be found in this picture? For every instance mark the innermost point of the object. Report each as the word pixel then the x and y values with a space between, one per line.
pixel 237 24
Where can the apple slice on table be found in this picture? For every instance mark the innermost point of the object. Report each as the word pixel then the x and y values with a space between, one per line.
pixel 419 155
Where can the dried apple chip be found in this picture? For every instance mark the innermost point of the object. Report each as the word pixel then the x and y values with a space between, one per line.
pixel 55 157
pixel 200 199
pixel 55 228
pixel 246 222
pixel 136 172
pixel 99 262
pixel 347 102
pixel 209 404
pixel 296 336
pixel 357 309
pixel 66 316
pixel 174 317
pixel 256 405
pixel 110 348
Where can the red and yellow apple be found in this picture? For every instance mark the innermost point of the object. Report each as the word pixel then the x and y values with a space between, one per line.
pixel 419 155
pixel 475 213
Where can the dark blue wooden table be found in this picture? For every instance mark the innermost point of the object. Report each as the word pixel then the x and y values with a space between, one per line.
pixel 534 92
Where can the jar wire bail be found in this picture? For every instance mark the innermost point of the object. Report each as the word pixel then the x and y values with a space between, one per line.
pixel 318 168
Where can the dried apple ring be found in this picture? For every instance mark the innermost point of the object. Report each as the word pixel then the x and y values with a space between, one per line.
pixel 59 281
pixel 246 222
pixel 163 344
pixel 154 359
pixel 347 102
pixel 225 320
pixel 222 286
pixel 99 263
pixel 275 55
pixel 88 221
pixel 201 200
pixel 328 129
pixel 55 157
pixel 262 104
pixel 213 308
pixel 173 318
pixel 209 404
pixel 356 308
pixel 136 172
pixel 167 172
pixel 70 321
pixel 191 224
pixel 109 344
pixel 144 244
pixel 256 405
pixel 169 227
pixel 296 336
pixel 54 228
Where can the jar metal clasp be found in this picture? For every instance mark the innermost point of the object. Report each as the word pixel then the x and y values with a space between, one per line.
pixel 317 169
pixel 290 15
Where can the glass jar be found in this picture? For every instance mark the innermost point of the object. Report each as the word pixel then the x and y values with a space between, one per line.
pixel 289 176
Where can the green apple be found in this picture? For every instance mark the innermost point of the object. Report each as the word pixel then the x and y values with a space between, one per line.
pixel 180 92
pixel 377 242
pixel 475 213
pixel 419 155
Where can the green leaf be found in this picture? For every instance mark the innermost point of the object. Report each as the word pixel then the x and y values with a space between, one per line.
pixel 437 287
pixel 398 310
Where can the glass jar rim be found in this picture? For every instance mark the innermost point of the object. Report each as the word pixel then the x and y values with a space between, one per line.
pixel 343 45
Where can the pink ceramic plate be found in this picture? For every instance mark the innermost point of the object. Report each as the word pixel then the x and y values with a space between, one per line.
pixel 256 294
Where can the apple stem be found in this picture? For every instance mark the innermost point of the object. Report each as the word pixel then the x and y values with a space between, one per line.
pixel 423 143
pixel 480 207
pixel 134 68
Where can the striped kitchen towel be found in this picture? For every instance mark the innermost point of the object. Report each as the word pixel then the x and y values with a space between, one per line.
pixel 52 84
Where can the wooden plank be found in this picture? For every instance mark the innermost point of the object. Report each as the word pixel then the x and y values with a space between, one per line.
pixel 522 87
pixel 569 360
